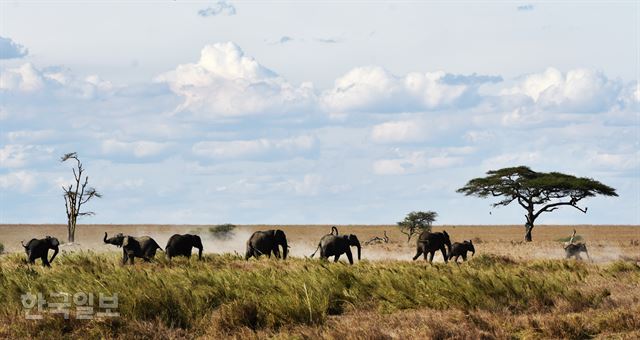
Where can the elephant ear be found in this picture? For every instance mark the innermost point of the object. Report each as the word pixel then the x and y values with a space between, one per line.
pixel 54 241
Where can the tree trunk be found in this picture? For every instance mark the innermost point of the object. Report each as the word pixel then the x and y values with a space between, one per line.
pixel 529 225
pixel 71 230
pixel 70 233
pixel 527 235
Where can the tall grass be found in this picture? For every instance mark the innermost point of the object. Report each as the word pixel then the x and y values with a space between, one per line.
pixel 229 293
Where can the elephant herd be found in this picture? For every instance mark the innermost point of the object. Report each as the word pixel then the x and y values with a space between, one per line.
pixel 260 243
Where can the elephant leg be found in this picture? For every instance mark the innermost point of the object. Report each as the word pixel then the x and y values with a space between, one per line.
pixel 31 258
pixel 464 257
pixel 45 262
pixel 349 256
pixel 125 257
pixel 336 258
pixel 578 257
pixel 418 253
pixel 444 254
pixel 131 258
pixel 431 253
pixel 276 252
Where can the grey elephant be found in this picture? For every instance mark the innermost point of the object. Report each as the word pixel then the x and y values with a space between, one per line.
pixel 267 242
pixel 574 250
pixel 39 248
pixel 460 249
pixel 429 243
pixel 336 245
pixel 182 245
pixel 144 247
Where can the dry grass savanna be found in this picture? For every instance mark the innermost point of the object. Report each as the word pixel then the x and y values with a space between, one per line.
pixel 510 289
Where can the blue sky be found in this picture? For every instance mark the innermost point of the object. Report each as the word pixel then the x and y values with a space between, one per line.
pixel 313 112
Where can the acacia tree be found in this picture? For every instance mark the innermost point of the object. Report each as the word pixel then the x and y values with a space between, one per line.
pixel 536 192
pixel 76 195
pixel 416 222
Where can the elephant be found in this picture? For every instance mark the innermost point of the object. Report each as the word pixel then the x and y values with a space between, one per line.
pixel 336 245
pixel 429 243
pixel 39 248
pixel 460 249
pixel 267 242
pixel 574 249
pixel 143 247
pixel 181 245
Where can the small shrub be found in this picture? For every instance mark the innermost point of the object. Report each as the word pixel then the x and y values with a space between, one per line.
pixel 222 231
pixel 1 248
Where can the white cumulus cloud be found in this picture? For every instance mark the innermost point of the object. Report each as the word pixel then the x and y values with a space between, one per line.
pixel 578 90
pixel 225 82
pixel 374 89
pixel 29 79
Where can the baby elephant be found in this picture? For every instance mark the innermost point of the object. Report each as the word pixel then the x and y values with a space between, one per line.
pixel 574 249
pixel 460 249
pixel 39 249
pixel 182 245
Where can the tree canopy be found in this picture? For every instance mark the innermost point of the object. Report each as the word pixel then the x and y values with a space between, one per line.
pixel 416 222
pixel 530 189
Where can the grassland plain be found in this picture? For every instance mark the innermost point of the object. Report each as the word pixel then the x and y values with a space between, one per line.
pixel 495 295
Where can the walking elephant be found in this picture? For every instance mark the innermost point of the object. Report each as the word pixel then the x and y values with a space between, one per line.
pixel 39 248
pixel 182 245
pixel 336 245
pixel 574 250
pixel 144 247
pixel 429 243
pixel 267 242
pixel 460 249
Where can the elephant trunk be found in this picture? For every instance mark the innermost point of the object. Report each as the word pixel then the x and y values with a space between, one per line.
pixel 22 243
pixel 105 238
pixel 359 250
pixel 55 252
pixel 199 252
pixel 285 250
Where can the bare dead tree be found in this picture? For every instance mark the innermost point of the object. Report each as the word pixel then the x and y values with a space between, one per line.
pixel 76 195
pixel 377 239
